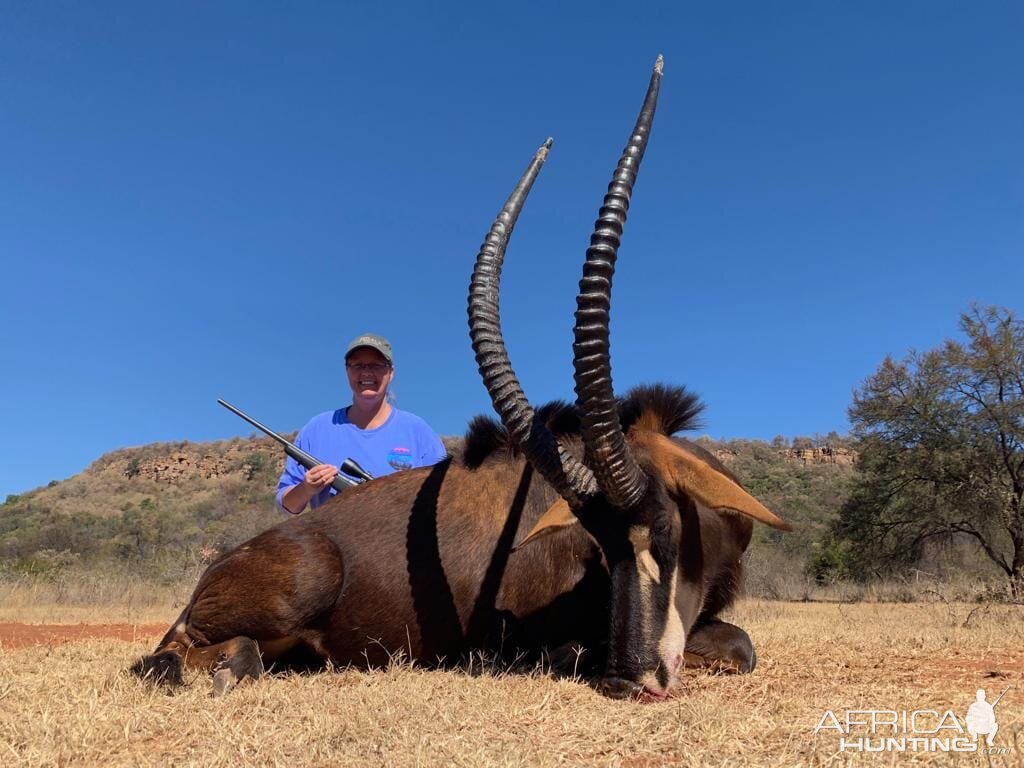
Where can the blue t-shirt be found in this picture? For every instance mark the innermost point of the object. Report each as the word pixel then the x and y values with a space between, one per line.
pixel 403 441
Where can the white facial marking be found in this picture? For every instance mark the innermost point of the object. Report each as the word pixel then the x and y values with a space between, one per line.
pixel 673 638
pixel 672 642
pixel 671 646
pixel 640 538
pixel 650 683
pixel 180 628
pixel 647 566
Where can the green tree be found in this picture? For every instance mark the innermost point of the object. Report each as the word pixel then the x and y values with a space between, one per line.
pixel 942 451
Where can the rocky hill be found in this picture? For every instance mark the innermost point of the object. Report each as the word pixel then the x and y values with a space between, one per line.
pixel 164 504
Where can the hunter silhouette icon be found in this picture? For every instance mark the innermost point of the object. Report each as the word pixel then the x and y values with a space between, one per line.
pixel 981 717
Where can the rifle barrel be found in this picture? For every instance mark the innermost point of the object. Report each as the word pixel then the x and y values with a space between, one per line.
pixel 307 460
pixel 1001 696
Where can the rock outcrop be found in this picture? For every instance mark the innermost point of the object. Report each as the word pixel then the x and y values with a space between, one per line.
pixel 823 454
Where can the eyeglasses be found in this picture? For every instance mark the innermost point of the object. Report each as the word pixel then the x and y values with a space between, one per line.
pixel 375 368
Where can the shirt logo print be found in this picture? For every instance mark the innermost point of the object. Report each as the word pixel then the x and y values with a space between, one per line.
pixel 400 458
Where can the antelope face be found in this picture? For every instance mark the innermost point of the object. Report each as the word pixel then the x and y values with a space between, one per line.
pixel 647 634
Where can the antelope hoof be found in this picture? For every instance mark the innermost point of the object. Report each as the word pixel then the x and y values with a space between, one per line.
pixel 223 681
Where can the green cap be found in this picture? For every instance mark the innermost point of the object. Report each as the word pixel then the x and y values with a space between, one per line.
pixel 373 341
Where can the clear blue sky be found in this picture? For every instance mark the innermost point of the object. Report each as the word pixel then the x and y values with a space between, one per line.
pixel 207 200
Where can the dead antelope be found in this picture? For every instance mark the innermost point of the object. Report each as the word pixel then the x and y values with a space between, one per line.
pixel 586 525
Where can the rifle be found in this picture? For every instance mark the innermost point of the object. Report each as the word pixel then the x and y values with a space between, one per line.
pixel 348 466
pixel 1001 696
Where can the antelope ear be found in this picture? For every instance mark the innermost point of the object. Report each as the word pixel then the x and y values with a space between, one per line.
pixel 557 518
pixel 711 488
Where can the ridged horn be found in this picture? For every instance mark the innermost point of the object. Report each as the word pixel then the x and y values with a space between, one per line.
pixel 573 481
pixel 607 455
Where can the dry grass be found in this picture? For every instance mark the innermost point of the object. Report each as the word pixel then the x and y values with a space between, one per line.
pixel 92 598
pixel 71 705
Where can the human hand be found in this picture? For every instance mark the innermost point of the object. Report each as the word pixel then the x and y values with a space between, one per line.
pixel 321 476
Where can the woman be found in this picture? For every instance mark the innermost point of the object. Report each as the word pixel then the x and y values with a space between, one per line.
pixel 378 436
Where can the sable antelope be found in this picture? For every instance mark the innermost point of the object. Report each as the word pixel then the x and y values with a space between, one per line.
pixel 633 545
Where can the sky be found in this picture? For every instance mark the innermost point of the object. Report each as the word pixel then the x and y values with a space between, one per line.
pixel 208 200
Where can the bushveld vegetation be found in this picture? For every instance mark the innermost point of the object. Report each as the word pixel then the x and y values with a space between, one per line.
pixel 160 512
pixel 941 435
pixel 925 496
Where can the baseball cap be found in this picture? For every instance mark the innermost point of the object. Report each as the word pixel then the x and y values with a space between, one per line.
pixel 373 341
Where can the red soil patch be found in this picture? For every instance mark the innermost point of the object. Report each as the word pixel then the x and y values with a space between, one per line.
pixel 22 635
pixel 999 663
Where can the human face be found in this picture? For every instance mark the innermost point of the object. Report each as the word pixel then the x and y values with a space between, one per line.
pixel 369 375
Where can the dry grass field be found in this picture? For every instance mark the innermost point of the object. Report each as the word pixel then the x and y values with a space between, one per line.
pixel 68 703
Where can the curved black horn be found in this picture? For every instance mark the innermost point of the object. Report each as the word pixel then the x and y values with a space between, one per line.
pixel 618 474
pixel 573 481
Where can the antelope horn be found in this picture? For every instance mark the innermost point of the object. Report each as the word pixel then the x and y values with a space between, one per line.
pixel 570 477
pixel 613 464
